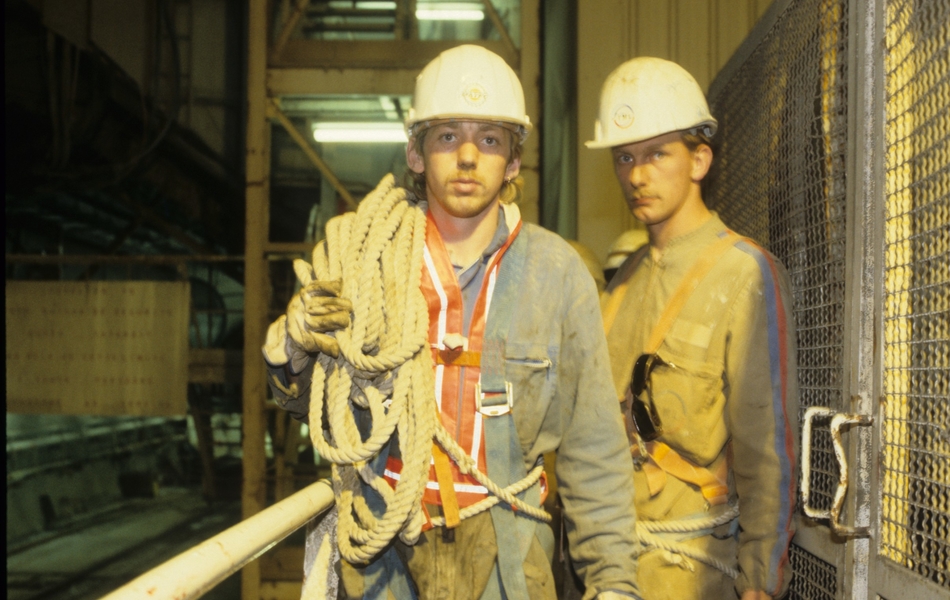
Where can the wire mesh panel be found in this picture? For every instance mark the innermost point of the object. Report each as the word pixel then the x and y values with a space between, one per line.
pixel 779 177
pixel 812 579
pixel 915 503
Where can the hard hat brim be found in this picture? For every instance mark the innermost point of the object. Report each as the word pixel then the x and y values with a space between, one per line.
pixel 521 129
pixel 710 126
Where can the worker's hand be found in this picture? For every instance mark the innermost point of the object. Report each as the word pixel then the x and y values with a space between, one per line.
pixel 755 595
pixel 315 311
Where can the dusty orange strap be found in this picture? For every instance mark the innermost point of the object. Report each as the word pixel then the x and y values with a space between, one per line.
pixel 697 272
pixel 664 459
pixel 700 268
pixel 458 358
pixel 443 474
pixel 712 484
pixel 656 477
pixel 619 292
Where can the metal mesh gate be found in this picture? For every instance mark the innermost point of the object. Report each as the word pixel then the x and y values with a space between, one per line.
pixel 814 578
pixel 915 503
pixel 779 177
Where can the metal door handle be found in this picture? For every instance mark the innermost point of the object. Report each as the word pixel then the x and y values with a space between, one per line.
pixel 837 420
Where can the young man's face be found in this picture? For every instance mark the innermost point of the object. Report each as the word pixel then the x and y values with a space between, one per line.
pixel 466 163
pixel 660 175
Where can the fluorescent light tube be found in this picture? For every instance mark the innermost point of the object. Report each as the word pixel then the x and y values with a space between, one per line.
pixel 342 133
pixel 450 11
pixel 376 5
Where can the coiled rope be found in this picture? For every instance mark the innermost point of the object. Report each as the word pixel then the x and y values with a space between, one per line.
pixel 385 368
pixel 648 532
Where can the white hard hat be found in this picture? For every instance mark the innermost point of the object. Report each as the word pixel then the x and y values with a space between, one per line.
pixel 468 83
pixel 646 97
pixel 626 244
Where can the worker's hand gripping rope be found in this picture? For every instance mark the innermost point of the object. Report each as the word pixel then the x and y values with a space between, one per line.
pixel 380 359
pixel 315 310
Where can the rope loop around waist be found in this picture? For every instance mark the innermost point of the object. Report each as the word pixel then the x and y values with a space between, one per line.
pixel 655 535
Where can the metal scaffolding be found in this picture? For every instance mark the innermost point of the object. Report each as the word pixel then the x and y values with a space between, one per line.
pixel 836 121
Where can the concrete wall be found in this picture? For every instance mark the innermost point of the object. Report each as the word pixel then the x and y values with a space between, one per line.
pixel 701 35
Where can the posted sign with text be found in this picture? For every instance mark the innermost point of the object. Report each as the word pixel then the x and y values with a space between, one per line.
pixel 97 348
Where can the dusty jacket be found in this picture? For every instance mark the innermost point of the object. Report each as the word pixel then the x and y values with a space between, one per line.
pixel 556 359
pixel 732 383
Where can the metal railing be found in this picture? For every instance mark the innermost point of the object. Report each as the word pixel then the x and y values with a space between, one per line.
pixel 193 573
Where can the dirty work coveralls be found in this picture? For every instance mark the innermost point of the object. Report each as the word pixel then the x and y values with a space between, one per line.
pixel 732 389
pixel 556 360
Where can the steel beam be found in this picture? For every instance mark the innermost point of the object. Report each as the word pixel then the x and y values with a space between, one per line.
pixel 300 81
pixel 288 27
pixel 256 287
pixel 288 248
pixel 389 54
pixel 118 259
pixel 495 18
pixel 274 110
pixel 530 74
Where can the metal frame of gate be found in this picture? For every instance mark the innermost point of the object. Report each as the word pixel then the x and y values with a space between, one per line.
pixel 835 154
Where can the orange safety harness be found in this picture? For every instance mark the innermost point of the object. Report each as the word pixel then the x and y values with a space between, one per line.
pixel 457 374
pixel 660 459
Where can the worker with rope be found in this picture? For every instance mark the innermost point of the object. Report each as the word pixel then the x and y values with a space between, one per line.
pixel 702 349
pixel 440 347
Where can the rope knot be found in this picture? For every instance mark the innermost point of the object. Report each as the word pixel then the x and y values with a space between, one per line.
pixel 679 560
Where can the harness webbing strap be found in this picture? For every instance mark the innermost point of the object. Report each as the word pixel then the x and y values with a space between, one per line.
pixel 503 450
pixel 664 459
pixel 458 358
pixel 616 299
pixel 684 291
pixel 443 474
pixel 712 482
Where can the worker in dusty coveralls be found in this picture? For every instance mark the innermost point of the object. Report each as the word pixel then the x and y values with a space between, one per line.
pixel 702 349
pixel 466 129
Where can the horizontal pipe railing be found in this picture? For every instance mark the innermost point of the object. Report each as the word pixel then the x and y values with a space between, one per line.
pixel 192 573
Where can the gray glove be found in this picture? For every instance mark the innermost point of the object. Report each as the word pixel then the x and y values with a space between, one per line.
pixel 316 310
pixel 312 313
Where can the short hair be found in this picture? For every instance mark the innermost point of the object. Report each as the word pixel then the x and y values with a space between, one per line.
pixel 511 190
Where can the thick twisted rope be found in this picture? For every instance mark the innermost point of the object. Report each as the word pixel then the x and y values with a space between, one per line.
pixel 385 368
pixel 647 532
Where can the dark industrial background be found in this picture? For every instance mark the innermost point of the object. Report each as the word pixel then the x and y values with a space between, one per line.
pixel 171 141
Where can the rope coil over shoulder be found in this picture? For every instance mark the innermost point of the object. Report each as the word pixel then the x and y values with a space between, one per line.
pixel 385 367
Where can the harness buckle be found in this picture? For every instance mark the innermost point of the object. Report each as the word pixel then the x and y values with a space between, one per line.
pixel 489 405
